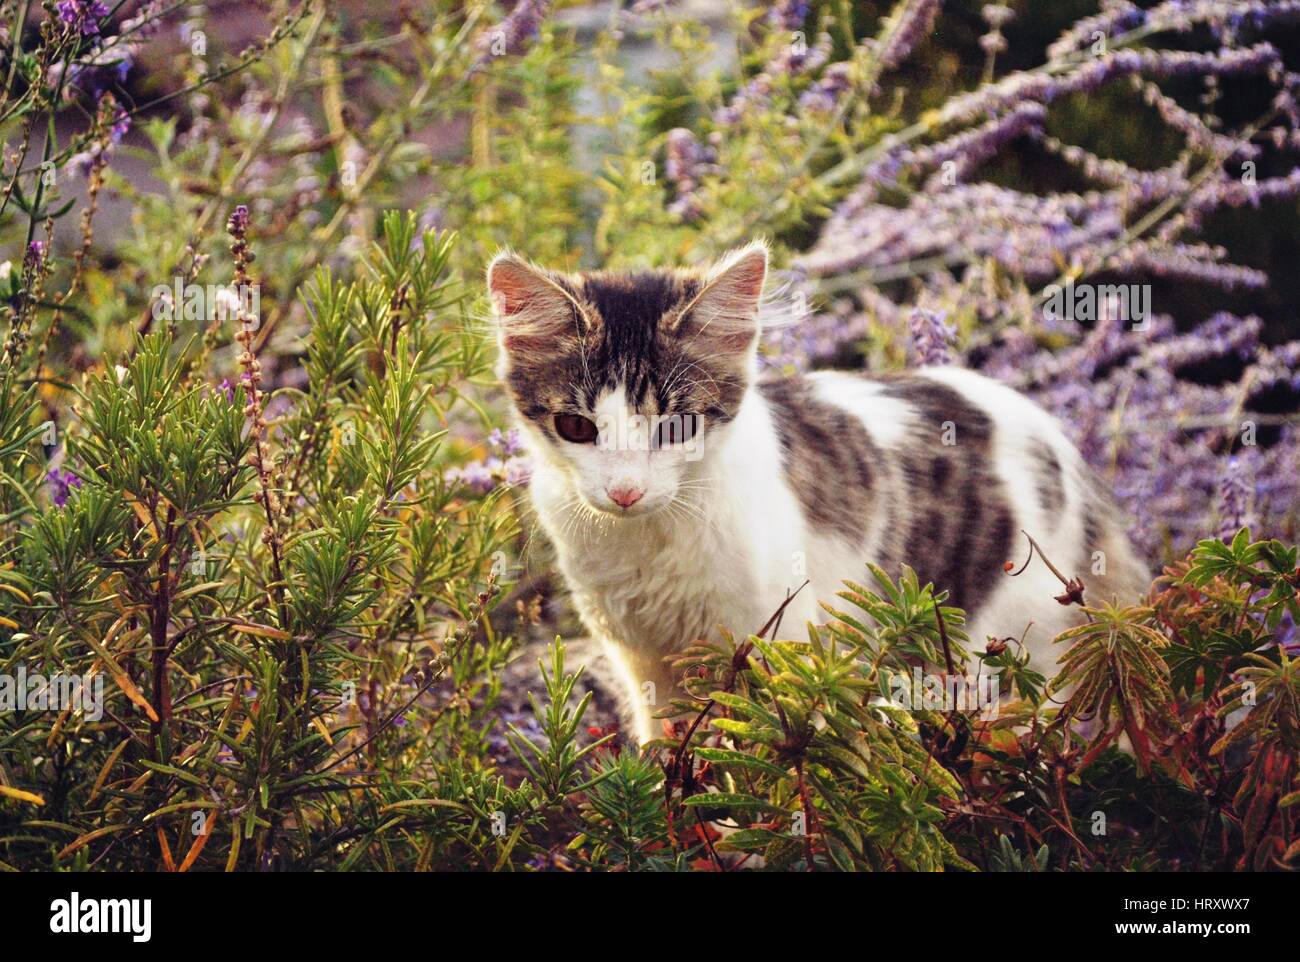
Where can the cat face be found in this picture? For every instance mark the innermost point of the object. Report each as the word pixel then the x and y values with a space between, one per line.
pixel 623 380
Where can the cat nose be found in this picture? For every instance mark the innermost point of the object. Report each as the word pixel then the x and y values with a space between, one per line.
pixel 625 497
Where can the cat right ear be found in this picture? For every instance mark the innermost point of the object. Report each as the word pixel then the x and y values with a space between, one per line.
pixel 532 308
pixel 723 317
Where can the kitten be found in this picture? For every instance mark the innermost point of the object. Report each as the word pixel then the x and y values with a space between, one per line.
pixel 682 492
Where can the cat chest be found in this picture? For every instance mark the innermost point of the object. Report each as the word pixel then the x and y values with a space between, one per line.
pixel 662 599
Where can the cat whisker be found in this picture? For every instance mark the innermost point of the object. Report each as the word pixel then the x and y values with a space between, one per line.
pixel 692 512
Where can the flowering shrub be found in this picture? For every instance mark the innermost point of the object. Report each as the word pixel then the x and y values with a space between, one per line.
pixel 261 542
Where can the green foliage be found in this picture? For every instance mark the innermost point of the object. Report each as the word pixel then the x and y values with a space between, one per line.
pixel 556 767
pixel 245 621
pixel 293 606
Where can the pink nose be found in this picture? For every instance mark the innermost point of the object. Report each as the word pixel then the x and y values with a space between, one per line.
pixel 625 497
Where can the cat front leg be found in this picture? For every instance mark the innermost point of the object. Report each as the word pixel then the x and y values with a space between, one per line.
pixel 648 685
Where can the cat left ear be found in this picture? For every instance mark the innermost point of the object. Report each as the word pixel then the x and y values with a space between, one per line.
pixel 530 304
pixel 725 312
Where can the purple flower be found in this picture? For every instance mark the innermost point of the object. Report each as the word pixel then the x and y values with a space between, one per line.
pixel 824 96
pixel 61 485
pixel 475 476
pixel 506 464
pixel 931 337
pixel 913 25
pixel 509 443
pixel 518 470
pixel 81 16
pixel 121 124
pixel 34 259
pixel 794 60
pixel 686 163
pixel 788 14
pixel 511 36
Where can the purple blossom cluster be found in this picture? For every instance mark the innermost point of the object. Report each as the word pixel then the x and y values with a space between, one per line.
pixel 795 59
pixel 81 16
pixel 788 14
pixel 932 337
pixel 34 259
pixel 61 484
pixel 1093 73
pixel 820 337
pixel 104 59
pixel 824 96
pixel 913 25
pixel 506 464
pixel 511 36
pixel 1029 234
pixel 686 163
pixel 1224 19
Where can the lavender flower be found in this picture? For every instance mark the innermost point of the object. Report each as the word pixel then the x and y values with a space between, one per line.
pixel 511 36
pixel 34 259
pixel 931 337
pixel 61 484
pixel 686 163
pixel 788 14
pixel 914 24
pixel 81 16
pixel 238 223
pixel 510 443
pixel 506 464
pixel 823 97
pixel 121 124
pixel 476 476
pixel 793 60
pixel 518 471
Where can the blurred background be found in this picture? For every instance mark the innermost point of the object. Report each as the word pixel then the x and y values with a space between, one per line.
pixel 1111 122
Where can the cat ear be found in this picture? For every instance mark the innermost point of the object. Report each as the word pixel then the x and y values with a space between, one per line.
pixel 532 307
pixel 724 314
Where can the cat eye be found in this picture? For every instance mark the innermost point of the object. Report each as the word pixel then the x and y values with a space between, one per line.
pixel 676 429
pixel 575 428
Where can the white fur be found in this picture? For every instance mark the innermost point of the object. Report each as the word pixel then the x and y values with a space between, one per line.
pixel 722 540
pixel 718 538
